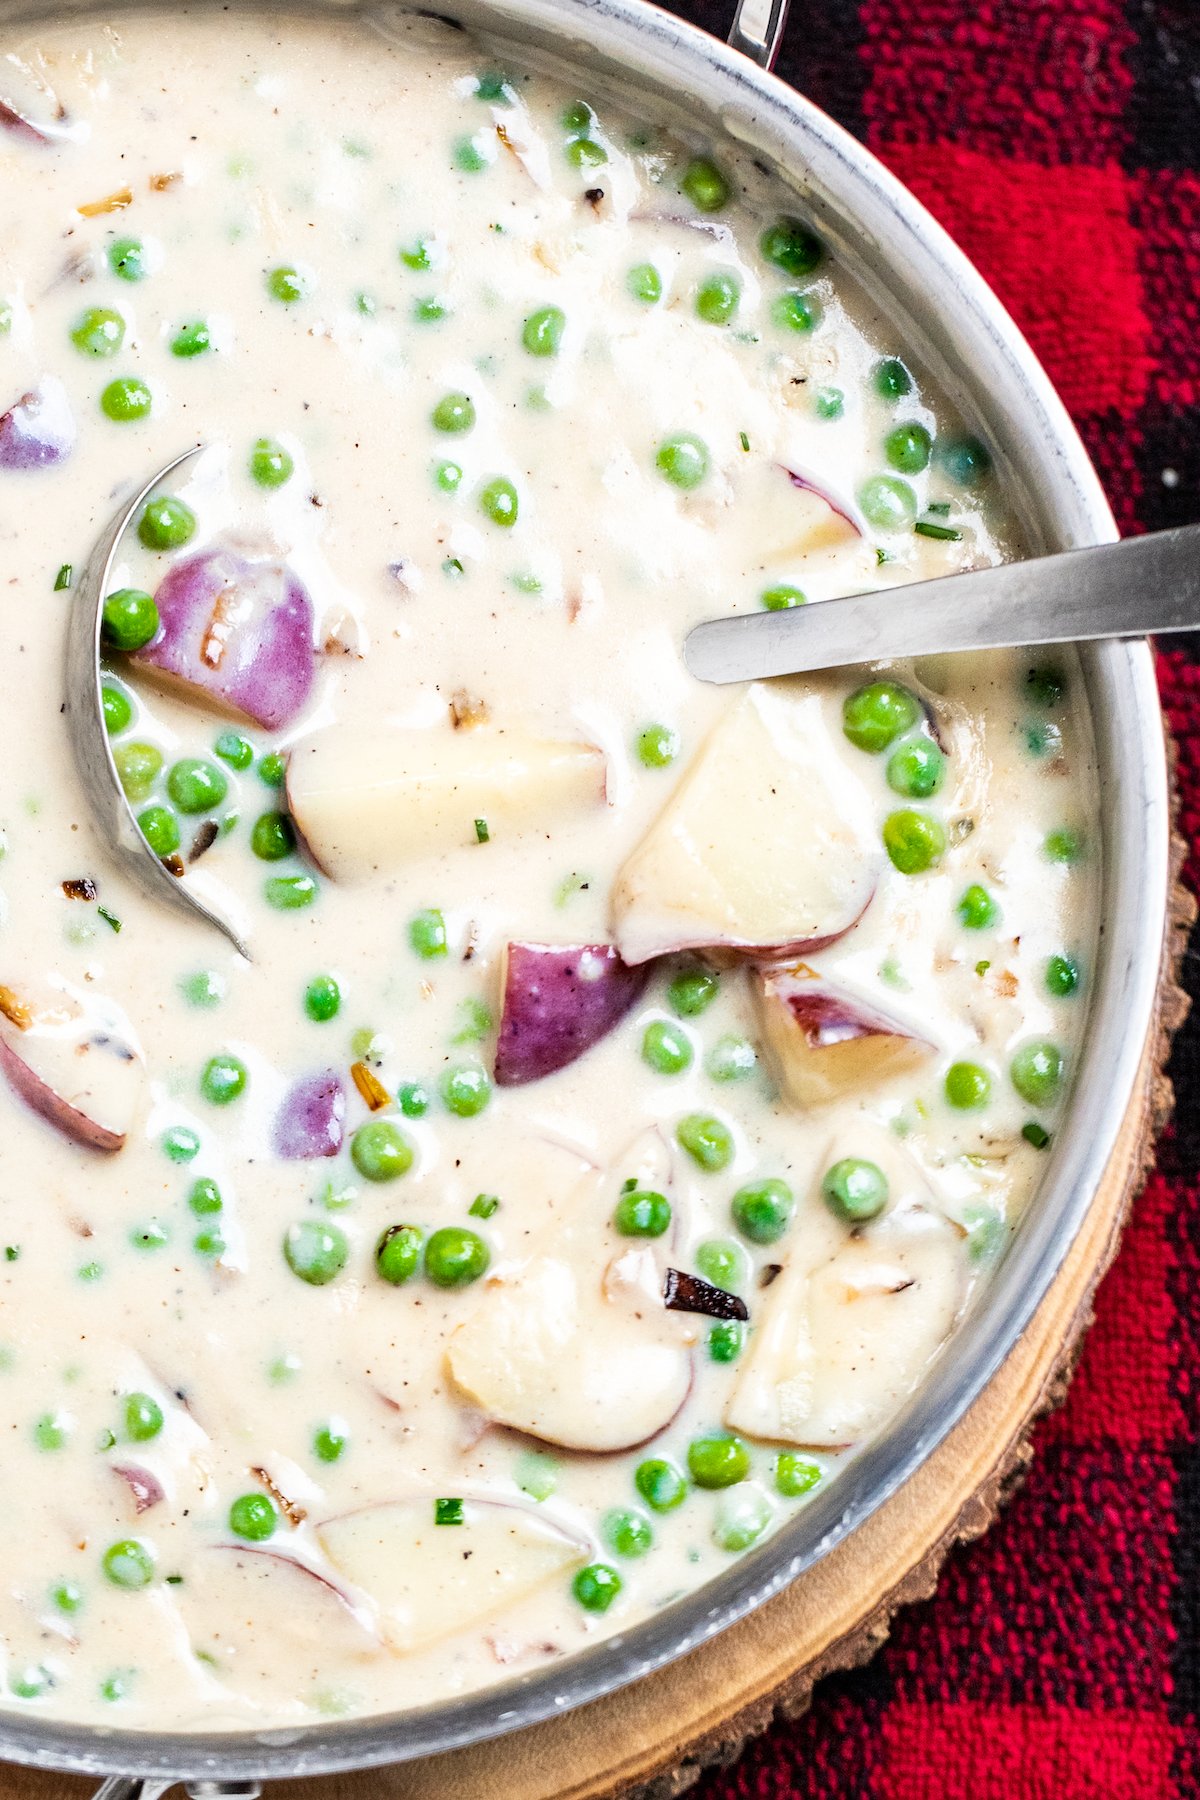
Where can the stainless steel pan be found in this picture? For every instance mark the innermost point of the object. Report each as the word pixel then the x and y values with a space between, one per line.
pixel 958 330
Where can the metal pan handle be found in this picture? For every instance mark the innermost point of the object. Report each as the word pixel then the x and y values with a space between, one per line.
pixel 757 29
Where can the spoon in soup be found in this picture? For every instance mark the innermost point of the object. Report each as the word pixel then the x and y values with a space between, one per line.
pixel 1129 589
pixel 163 879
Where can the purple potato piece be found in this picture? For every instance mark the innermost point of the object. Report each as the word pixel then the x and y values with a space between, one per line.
pixel 236 634
pixel 147 1489
pixel 311 1121
pixel 38 430
pixel 691 1293
pixel 559 1000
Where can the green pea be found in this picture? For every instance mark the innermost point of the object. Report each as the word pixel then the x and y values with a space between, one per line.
pixel 796 312
pixel 166 523
pixel 329 1443
pixel 51 1432
pixel 874 715
pixel 67 1597
pixel 398 1254
pixel 642 1213
pixel 126 400
pixel 454 1257
pixel 448 476
pixel 965 460
pixel 287 285
pixel 316 1251
pixel 380 1151
pixel 722 1262
pixel 138 767
pixel 891 379
pixel 718 297
pixel 762 1210
pixel 100 332
pixel 705 185
pixel 683 460
pixel 543 331
pixel 782 597
pixel 413 1099
pixel 253 1517
pixel 795 1475
pixel 143 1418
pixel 453 412
pixel 586 153
pixel 128 259
pixel 829 403
pixel 726 1341
pixel 855 1190
pixel 129 619
pixel 907 447
pixel 657 746
pixel 160 828
pixel 665 1048
pixel 644 283
pixel 272 837
pixel 1064 846
pixel 1046 686
pixel 660 1484
pixel 578 116
pixel 427 933
pixel 731 1058
pixel 465 1090
pixel 322 999
pixel 118 709
pixel 914 841
pixel 791 246
pixel 419 256
pixel 1062 976
pixel 209 1243
pixel 223 1080
pixel 718 1460
pixel 596 1587
pixel 741 1520
pixel 471 155
pixel 627 1532
pixel 196 786
pixel 976 909
pixel 204 1198
pixel 428 311
pixel 692 991
pixel 888 502
pixel 234 749
pixel 149 1237
pixel 916 769
pixel 270 464
pixel 500 502
pixel 1036 1071
pixel 967 1087
pixel 180 1144
pixel 128 1564
pixel 289 893
pixel 192 339
pixel 707 1140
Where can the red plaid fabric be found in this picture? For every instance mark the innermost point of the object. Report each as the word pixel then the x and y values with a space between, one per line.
pixel 1059 142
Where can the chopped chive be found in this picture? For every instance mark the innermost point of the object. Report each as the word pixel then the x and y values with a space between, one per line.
pixel 64 578
pixel 1035 1134
pixel 483 1206
pixel 745 441
pixel 448 1512
pixel 981 968
pixel 949 534
pixel 482 834
pixel 109 918
pixel 939 508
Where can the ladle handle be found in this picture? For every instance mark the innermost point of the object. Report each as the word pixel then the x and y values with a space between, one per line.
pixel 758 28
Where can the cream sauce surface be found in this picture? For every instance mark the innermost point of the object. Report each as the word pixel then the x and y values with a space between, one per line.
pixel 337 226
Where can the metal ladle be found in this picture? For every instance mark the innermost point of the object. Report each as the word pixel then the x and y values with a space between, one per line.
pixel 89 735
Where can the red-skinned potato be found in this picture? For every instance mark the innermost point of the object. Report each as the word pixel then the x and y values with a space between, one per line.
pixel 769 845
pixel 571 1342
pixel 825 1041
pixel 236 635
pixel 73 1060
pixel 311 1120
pixel 428 1581
pixel 38 430
pixel 559 1000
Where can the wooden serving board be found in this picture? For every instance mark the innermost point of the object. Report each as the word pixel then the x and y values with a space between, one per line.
pixel 653 1739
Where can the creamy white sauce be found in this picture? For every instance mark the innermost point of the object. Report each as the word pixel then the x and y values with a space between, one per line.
pixel 244 147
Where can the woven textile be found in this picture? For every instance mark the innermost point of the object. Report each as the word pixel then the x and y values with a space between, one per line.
pixel 1059 143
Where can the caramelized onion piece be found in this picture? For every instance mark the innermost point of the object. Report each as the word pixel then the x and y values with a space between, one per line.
pixel 691 1293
